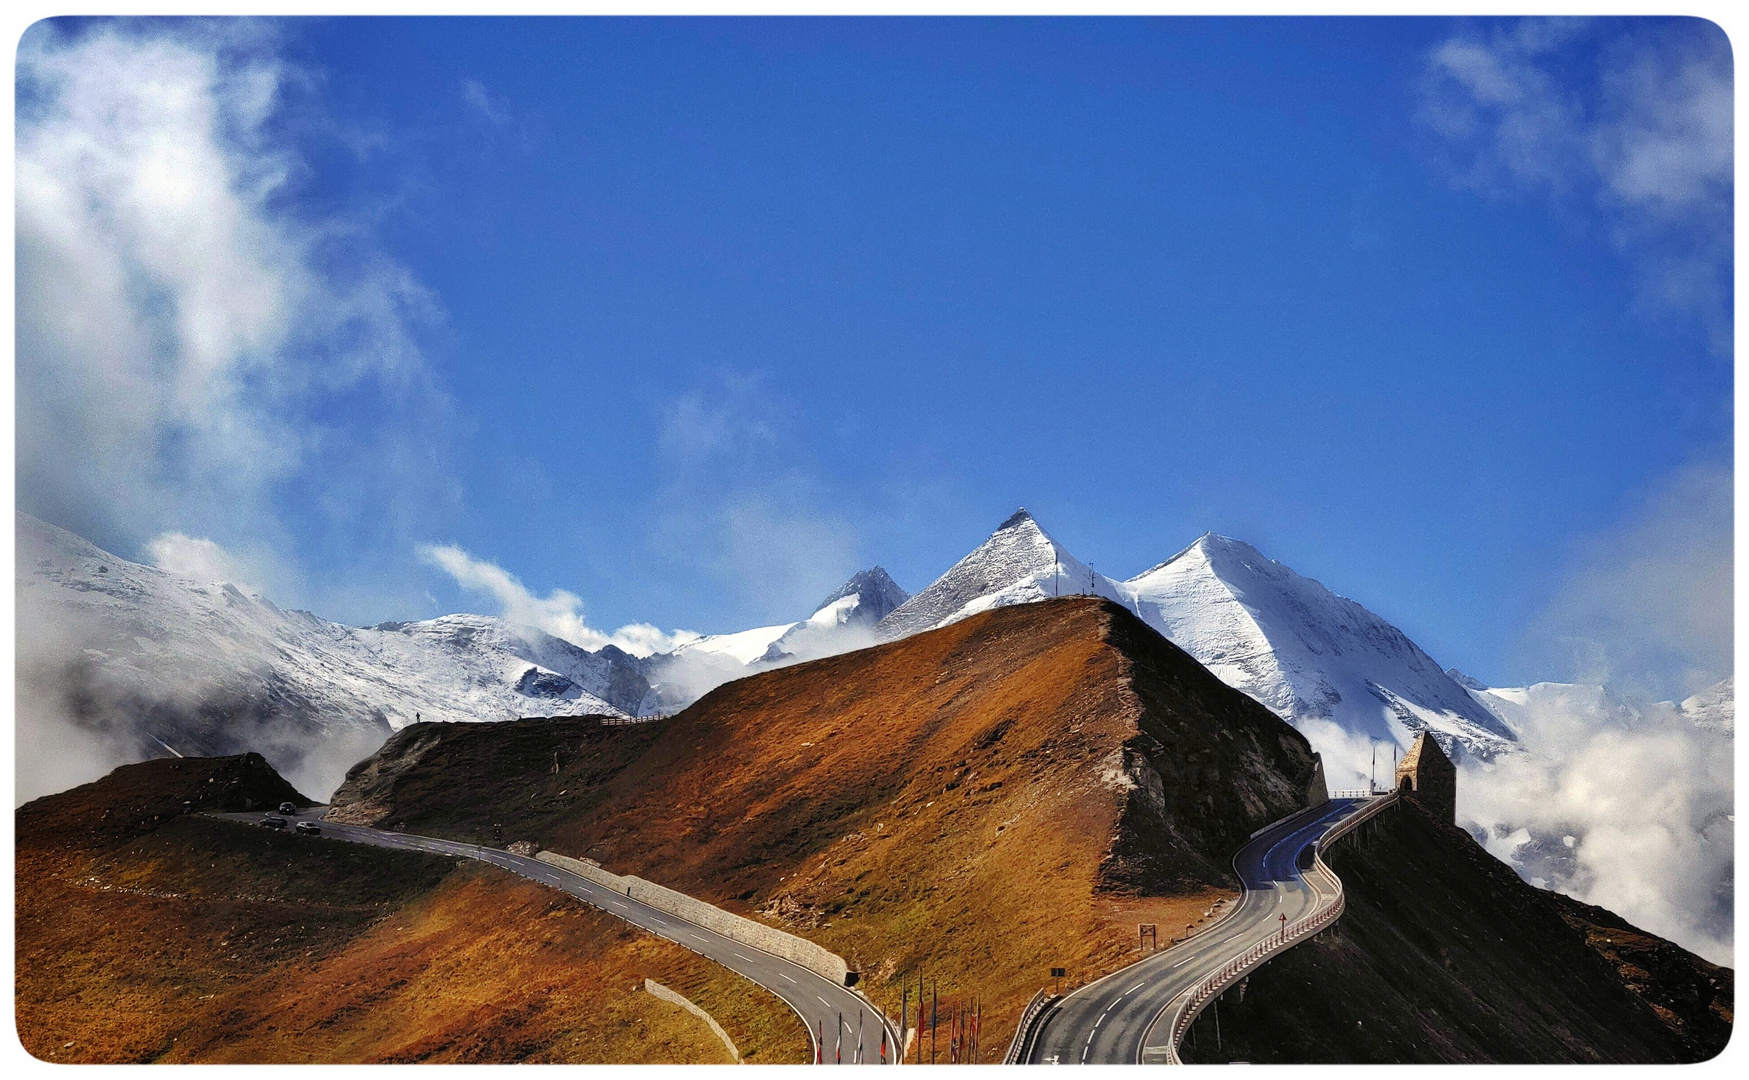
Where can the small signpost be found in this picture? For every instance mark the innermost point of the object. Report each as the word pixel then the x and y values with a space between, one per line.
pixel 1057 973
pixel 1284 929
pixel 1145 932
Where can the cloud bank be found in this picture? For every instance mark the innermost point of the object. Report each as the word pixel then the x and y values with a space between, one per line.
pixel 559 613
pixel 1631 124
pixel 195 358
pixel 205 378
pixel 1627 807
pixel 1620 799
pixel 1647 607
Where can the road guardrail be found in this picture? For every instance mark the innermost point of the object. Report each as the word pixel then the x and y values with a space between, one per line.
pixel 1190 1005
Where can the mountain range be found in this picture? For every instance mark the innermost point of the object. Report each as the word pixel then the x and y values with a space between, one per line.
pixel 152 662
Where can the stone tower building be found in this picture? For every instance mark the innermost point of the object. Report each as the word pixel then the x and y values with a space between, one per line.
pixel 1430 776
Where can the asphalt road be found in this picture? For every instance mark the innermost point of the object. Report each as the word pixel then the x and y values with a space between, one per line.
pixel 1112 1020
pixel 821 1003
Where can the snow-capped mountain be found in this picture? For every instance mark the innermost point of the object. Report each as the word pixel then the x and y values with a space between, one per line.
pixel 1532 712
pixel 1310 655
pixel 144 662
pixel 1324 663
pixel 1019 564
pixel 857 605
pixel 1714 708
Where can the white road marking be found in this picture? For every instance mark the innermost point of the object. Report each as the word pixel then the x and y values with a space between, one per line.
pixel 1134 988
pixel 785 975
pixel 1182 962
pixel 749 959
pixel 823 1001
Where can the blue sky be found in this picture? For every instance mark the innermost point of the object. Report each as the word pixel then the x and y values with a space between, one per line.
pixel 691 319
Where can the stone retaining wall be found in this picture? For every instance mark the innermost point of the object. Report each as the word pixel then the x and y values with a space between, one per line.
pixel 656 989
pixel 797 950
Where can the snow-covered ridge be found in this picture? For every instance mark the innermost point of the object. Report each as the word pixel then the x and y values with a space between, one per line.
pixel 145 661
pixel 1018 564
pixel 839 622
pixel 1324 663
pixel 1309 654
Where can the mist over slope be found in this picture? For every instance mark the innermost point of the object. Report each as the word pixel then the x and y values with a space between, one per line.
pixel 1616 801
pixel 118 662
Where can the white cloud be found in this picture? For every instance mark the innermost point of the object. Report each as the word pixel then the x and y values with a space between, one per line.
pixel 200 559
pixel 183 338
pixel 1625 807
pixel 1645 138
pixel 1646 794
pixel 1647 606
pixel 474 93
pixel 559 613
pixel 740 501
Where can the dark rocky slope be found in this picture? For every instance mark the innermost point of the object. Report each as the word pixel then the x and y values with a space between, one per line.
pixel 1445 955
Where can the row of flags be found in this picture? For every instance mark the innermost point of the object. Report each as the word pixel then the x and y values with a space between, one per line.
pixel 960 1026
pixel 964 1024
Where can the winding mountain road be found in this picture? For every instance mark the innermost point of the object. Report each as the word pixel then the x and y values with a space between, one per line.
pixel 1129 1016
pixel 821 1004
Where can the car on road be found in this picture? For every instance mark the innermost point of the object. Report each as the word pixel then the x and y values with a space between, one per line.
pixel 309 827
pixel 273 821
pixel 287 808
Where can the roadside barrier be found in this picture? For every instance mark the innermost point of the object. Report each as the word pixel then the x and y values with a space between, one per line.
pixel 1020 1048
pixel 797 950
pixel 1191 1004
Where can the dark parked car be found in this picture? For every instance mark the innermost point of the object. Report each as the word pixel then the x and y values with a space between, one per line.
pixel 309 827
pixel 273 821
pixel 287 808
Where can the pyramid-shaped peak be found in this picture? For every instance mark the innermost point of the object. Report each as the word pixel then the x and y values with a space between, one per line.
pixel 876 591
pixel 1019 563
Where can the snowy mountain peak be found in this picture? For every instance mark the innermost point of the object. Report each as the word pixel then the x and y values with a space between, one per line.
pixel 1019 516
pixel 865 598
pixel 1018 564
pixel 1715 707
pixel 1312 656
pixel 1466 681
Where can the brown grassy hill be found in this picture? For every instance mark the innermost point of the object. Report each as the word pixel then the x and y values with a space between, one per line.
pixel 147 933
pixel 136 799
pixel 980 802
pixel 1445 955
